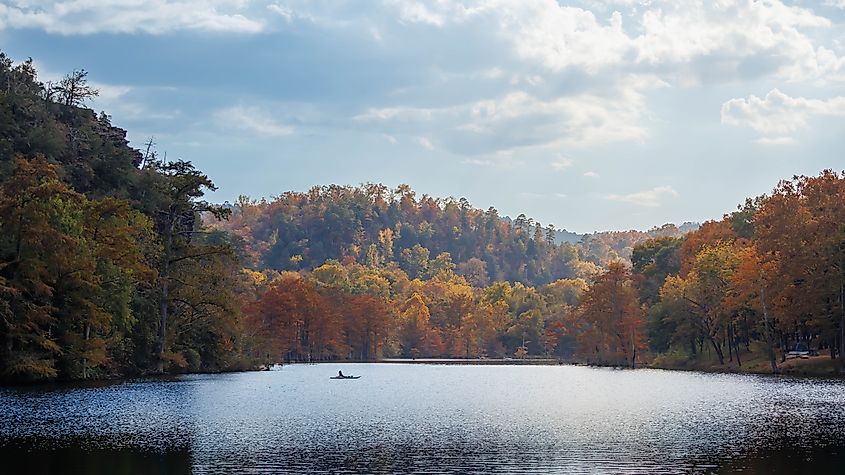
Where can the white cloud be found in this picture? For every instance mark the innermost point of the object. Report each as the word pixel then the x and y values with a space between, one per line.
pixel 521 120
pixel 687 41
pixel 649 198
pixel 72 17
pixel 436 13
pixel 756 37
pixel 717 40
pixel 425 142
pixel 562 163
pixel 591 174
pixel 252 119
pixel 560 36
pixel 778 115
pixel 479 162
pixel 417 12
pixel 286 13
pixel 776 141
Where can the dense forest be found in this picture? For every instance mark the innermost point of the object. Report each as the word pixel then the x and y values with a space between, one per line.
pixel 104 269
pixel 112 264
pixel 376 225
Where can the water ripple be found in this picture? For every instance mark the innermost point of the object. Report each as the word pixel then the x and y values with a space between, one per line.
pixel 443 419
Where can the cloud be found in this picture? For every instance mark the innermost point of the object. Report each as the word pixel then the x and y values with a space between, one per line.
pixel 252 119
pixel 778 115
pixel 688 41
pixel 692 41
pixel 776 141
pixel 479 162
pixel 591 174
pixel 736 38
pixel 425 142
pixel 74 17
pixel 417 12
pixel 649 198
pixel 519 120
pixel 562 163
pixel 561 37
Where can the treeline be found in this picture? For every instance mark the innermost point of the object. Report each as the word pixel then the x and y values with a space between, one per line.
pixel 771 273
pixel 748 287
pixel 104 267
pixel 376 225
pixel 363 312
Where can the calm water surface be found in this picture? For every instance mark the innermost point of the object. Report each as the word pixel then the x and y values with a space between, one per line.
pixel 429 419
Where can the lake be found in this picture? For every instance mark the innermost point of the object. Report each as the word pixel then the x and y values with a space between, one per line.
pixel 428 419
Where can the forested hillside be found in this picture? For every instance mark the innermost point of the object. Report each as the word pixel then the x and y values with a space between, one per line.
pixel 103 267
pixel 376 225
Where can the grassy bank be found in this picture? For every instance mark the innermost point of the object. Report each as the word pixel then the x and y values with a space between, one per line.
pixel 754 361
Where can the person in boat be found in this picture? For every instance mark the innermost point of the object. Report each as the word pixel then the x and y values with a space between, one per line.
pixel 340 374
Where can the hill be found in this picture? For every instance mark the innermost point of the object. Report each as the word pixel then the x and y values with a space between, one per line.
pixel 376 225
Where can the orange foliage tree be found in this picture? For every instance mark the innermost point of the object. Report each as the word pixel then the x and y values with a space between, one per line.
pixel 610 319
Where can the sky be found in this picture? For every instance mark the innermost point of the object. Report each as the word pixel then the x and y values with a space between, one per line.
pixel 591 115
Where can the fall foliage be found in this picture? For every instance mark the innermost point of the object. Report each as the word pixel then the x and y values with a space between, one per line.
pixel 111 263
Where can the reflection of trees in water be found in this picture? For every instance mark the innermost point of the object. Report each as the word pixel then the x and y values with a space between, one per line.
pixel 90 456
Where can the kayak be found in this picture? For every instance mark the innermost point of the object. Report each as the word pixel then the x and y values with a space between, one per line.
pixel 344 377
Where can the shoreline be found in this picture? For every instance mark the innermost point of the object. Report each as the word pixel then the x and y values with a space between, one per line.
pixel 827 369
pixel 821 367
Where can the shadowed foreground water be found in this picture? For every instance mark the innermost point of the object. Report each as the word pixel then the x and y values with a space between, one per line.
pixel 427 418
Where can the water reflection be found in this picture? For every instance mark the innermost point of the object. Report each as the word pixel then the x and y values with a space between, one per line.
pixel 468 419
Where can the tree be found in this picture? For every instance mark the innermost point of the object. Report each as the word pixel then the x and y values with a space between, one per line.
pixel 415 260
pixel 32 204
pixel 67 269
pixel 474 271
pixel 174 202
pixel 610 318
pixel 73 89
pixel 749 294
pixel 442 267
pixel 415 330
pixel 704 290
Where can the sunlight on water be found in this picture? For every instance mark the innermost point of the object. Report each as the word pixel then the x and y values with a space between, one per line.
pixel 402 418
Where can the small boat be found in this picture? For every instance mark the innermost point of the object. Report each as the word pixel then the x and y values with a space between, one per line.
pixel 344 377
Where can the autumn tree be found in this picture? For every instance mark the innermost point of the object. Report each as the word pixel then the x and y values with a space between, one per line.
pixel 174 201
pixel 415 330
pixel 611 324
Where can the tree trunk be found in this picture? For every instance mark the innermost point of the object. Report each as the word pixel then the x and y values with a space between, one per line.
pixel 85 360
pixel 718 349
pixel 730 343
pixel 736 348
pixel 164 290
